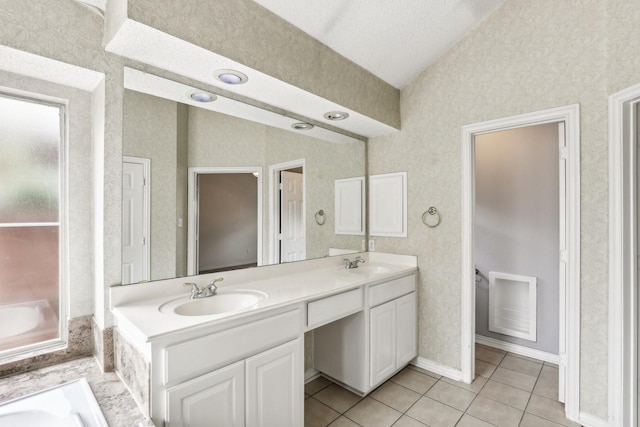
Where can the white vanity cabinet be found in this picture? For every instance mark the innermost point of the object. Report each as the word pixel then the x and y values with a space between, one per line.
pixel 247 375
pixel 364 349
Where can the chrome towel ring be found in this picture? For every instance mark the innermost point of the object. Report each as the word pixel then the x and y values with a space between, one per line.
pixel 320 218
pixel 432 211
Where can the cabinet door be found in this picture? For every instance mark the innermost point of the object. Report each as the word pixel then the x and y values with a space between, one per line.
pixel 383 342
pixel 274 387
pixel 406 328
pixel 212 400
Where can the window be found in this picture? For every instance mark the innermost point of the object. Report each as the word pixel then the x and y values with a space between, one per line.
pixel 31 207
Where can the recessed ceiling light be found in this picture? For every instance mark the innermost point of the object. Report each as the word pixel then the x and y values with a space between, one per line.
pixel 200 96
pixel 336 115
pixel 231 77
pixel 302 126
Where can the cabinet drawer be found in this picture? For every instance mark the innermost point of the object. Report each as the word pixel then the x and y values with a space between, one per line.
pixel 332 308
pixel 193 358
pixel 384 292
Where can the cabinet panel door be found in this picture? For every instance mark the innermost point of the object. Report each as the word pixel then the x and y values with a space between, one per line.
pixel 212 400
pixel 407 329
pixel 383 342
pixel 274 387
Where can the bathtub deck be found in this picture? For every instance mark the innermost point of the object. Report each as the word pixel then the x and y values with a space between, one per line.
pixel 115 402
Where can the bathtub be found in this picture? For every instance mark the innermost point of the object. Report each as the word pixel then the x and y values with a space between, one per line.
pixel 26 323
pixel 67 405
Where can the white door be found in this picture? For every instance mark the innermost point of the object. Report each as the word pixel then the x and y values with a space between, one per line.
pixel 383 342
pixel 135 264
pixel 275 387
pixel 212 400
pixel 292 233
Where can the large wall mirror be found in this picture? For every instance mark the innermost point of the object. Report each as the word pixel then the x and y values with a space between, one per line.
pixel 205 190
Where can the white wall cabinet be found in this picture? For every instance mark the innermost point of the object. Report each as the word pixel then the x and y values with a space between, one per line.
pixel 349 206
pixel 388 205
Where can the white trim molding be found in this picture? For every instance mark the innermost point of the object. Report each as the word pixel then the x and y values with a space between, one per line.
pixel 623 235
pixel 570 347
pixel 437 368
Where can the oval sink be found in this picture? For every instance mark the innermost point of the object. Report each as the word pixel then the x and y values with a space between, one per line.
pixel 223 302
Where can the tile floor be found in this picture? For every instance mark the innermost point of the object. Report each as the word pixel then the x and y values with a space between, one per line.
pixel 509 391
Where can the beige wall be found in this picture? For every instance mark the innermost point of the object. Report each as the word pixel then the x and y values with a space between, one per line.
pixel 527 56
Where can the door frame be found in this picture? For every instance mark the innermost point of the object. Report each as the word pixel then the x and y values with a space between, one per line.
pixel 192 243
pixel 146 211
pixel 623 253
pixel 274 204
pixel 570 298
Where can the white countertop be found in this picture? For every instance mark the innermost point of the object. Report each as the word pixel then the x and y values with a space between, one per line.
pixel 136 307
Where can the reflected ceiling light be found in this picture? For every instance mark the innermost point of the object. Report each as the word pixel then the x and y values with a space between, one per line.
pixel 302 126
pixel 231 77
pixel 256 174
pixel 200 96
pixel 336 115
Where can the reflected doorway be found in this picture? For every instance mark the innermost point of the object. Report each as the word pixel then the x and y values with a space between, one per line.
pixel 225 219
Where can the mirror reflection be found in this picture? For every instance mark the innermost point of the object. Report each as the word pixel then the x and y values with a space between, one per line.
pixel 204 191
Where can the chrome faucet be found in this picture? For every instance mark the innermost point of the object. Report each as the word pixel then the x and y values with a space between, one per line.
pixel 207 291
pixel 348 264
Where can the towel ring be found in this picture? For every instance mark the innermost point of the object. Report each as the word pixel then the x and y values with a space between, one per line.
pixel 320 217
pixel 431 211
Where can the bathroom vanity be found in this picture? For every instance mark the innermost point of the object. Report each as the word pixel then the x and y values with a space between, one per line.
pixel 244 365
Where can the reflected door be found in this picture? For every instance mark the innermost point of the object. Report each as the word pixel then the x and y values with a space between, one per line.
pixel 292 235
pixel 134 245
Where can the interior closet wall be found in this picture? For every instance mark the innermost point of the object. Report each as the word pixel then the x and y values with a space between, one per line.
pixel 517 222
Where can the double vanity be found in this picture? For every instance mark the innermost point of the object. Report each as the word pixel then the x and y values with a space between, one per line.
pixel 237 357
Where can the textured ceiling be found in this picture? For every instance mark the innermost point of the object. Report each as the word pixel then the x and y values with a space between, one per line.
pixel 394 39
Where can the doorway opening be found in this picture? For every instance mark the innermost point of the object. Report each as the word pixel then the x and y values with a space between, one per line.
pixel 287 207
pixel 225 219
pixel 624 298
pixel 566 122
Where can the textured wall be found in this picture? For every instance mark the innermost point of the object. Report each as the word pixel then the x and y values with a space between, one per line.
pixel 527 56
pixel 247 33
pixel 150 131
pixel 517 222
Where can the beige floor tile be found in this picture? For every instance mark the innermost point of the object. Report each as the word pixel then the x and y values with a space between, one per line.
pixel 485 369
pixel 434 413
pixel 414 380
pixel 489 355
pixel 343 421
pixel 425 371
pixel 317 414
pixel 506 394
pixel 451 395
pixel 547 384
pixel 337 398
pixel 406 421
pixel 530 420
pixel 398 397
pixel 316 385
pixel 548 409
pixel 515 379
pixel 469 421
pixel 475 386
pixel 521 365
pixel 371 413
pixel 494 412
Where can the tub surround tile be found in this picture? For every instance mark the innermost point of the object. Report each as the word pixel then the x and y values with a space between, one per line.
pixel 134 370
pixel 80 343
pixel 103 346
pixel 116 403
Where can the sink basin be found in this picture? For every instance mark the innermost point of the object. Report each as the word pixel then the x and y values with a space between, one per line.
pixel 223 302
pixel 368 269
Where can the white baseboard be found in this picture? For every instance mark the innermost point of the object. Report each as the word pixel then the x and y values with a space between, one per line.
pixel 311 375
pixel 437 368
pixel 588 420
pixel 518 349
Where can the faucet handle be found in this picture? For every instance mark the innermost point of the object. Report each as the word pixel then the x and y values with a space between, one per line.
pixel 195 290
pixel 212 288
